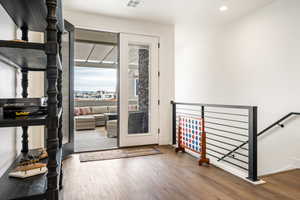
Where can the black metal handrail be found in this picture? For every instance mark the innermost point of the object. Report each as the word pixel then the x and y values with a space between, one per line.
pixel 219 130
pixel 277 123
pixel 212 105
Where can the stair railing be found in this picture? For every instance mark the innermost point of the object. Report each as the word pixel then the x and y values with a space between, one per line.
pixel 224 127
pixel 277 123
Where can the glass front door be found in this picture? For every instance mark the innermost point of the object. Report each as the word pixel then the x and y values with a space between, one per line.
pixel 138 90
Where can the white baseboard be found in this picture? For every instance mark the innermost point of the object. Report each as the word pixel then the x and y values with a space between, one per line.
pixel 297 163
pixel 236 172
pixel 228 168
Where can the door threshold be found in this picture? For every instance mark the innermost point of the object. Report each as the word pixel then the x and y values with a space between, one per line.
pixel 113 148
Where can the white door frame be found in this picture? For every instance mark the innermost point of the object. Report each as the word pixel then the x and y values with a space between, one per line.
pixel 126 139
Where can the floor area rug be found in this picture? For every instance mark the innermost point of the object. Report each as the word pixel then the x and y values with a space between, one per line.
pixel 118 153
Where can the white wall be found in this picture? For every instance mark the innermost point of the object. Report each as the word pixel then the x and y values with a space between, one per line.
pixel 166 35
pixel 7 90
pixel 35 90
pixel 252 61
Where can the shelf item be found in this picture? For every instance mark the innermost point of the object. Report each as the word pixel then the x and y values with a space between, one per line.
pixel 31 14
pixel 17 107
pixel 26 54
pixel 23 101
pixel 29 188
pixel 27 121
pixel 23 111
pixel 23 121
pixel 29 170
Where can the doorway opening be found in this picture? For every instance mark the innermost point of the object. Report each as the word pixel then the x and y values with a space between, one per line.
pixel 116 98
pixel 95 90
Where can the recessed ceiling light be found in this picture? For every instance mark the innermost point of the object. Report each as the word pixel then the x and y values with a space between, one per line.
pixel 223 8
pixel 133 3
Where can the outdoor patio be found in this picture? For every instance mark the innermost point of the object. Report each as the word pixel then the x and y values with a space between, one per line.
pixel 93 140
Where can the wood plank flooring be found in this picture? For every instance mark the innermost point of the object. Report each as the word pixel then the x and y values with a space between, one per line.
pixel 168 176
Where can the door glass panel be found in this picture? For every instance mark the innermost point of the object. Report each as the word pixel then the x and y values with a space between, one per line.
pixel 138 89
pixel 65 86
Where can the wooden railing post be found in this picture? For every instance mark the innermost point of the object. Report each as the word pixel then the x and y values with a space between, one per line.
pixel 179 140
pixel 203 158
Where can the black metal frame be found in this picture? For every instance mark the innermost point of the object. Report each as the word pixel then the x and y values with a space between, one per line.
pixel 252 165
pixel 68 148
pixel 252 133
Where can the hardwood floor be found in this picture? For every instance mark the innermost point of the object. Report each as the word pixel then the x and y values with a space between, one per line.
pixel 168 176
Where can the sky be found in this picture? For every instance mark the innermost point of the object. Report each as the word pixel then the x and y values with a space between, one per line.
pixel 95 79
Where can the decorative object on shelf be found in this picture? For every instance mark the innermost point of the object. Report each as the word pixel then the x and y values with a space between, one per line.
pixel 19 41
pixel 12 108
pixel 23 102
pixel 29 165
pixel 33 157
pixel 18 111
pixel 29 170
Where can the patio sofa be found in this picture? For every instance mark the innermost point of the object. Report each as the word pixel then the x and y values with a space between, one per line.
pixel 90 117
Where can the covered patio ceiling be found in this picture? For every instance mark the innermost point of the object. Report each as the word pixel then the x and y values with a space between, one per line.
pixel 96 55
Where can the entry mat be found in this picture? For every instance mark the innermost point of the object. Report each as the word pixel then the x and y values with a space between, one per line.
pixel 118 153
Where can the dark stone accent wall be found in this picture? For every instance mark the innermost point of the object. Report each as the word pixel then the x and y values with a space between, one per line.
pixel 143 90
pixel 143 86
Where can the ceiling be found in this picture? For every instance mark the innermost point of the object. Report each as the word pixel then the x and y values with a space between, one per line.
pixel 103 55
pixel 96 55
pixel 169 11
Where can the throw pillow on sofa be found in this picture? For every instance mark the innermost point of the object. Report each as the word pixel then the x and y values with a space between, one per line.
pixel 76 111
pixel 99 109
pixel 85 111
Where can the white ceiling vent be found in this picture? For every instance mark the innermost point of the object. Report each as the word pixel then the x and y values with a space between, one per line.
pixel 133 3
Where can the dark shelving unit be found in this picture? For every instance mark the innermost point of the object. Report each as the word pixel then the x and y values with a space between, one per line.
pixel 32 14
pixel 40 16
pixel 31 188
pixel 26 55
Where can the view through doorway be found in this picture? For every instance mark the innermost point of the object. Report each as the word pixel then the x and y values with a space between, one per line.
pixel 115 90
pixel 95 90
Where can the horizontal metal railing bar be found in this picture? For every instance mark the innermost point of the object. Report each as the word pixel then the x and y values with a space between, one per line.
pixel 234 133
pixel 223 113
pixel 231 120
pixel 242 161
pixel 226 149
pixel 226 125
pixel 213 105
pixel 188 109
pixel 188 114
pixel 228 162
pixel 229 138
pixel 225 143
